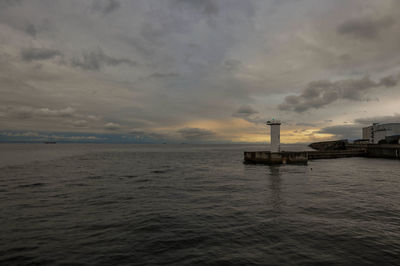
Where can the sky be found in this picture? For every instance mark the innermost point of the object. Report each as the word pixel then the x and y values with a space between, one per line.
pixel 197 71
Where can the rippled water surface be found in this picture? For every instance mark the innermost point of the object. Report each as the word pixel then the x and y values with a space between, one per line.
pixel 81 204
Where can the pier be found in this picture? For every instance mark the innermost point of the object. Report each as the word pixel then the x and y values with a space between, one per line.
pixel 389 151
pixel 288 157
pixel 334 154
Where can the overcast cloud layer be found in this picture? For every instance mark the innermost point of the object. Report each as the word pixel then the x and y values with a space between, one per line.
pixel 197 70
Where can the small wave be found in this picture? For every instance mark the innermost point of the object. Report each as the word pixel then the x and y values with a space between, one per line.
pixel 95 177
pixel 77 185
pixel 144 180
pixel 128 176
pixel 32 185
pixel 160 171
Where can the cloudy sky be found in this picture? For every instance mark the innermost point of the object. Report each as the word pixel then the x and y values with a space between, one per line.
pixel 197 70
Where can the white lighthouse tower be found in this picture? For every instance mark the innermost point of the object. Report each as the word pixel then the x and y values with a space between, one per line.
pixel 275 135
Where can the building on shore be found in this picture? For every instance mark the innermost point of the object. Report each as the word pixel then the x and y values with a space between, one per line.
pixel 379 132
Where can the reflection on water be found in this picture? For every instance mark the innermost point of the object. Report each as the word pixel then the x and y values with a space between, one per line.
pixel 275 186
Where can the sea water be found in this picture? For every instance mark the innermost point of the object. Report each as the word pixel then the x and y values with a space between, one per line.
pixel 119 204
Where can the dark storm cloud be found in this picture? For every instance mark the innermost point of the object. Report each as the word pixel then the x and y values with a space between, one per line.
pixel 389 81
pixel 157 75
pixel 378 119
pixel 5 3
pixel 96 59
pixel 321 93
pixel 248 113
pixel 39 26
pixel 306 124
pixel 343 131
pixel 139 44
pixel 232 64
pixel 196 133
pixel 365 28
pixel 31 30
pixel 106 6
pixel 245 111
pixel 32 54
pixel 208 7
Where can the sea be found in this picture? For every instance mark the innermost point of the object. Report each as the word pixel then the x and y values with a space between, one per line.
pixel 150 204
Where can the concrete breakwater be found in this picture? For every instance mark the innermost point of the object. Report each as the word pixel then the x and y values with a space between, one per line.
pixel 378 150
pixel 287 157
pixel 334 154
pixel 329 151
pixel 267 157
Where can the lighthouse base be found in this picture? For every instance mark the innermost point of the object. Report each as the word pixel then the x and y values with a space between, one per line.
pixel 266 157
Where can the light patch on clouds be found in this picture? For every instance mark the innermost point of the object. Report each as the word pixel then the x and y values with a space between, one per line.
pixel 196 134
pixel 112 126
pixel 80 123
pixel 25 112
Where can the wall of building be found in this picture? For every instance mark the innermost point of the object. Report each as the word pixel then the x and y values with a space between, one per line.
pixel 367 131
pixel 392 129
pixel 378 132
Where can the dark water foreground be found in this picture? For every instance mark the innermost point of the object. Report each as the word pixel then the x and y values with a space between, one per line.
pixel 193 205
